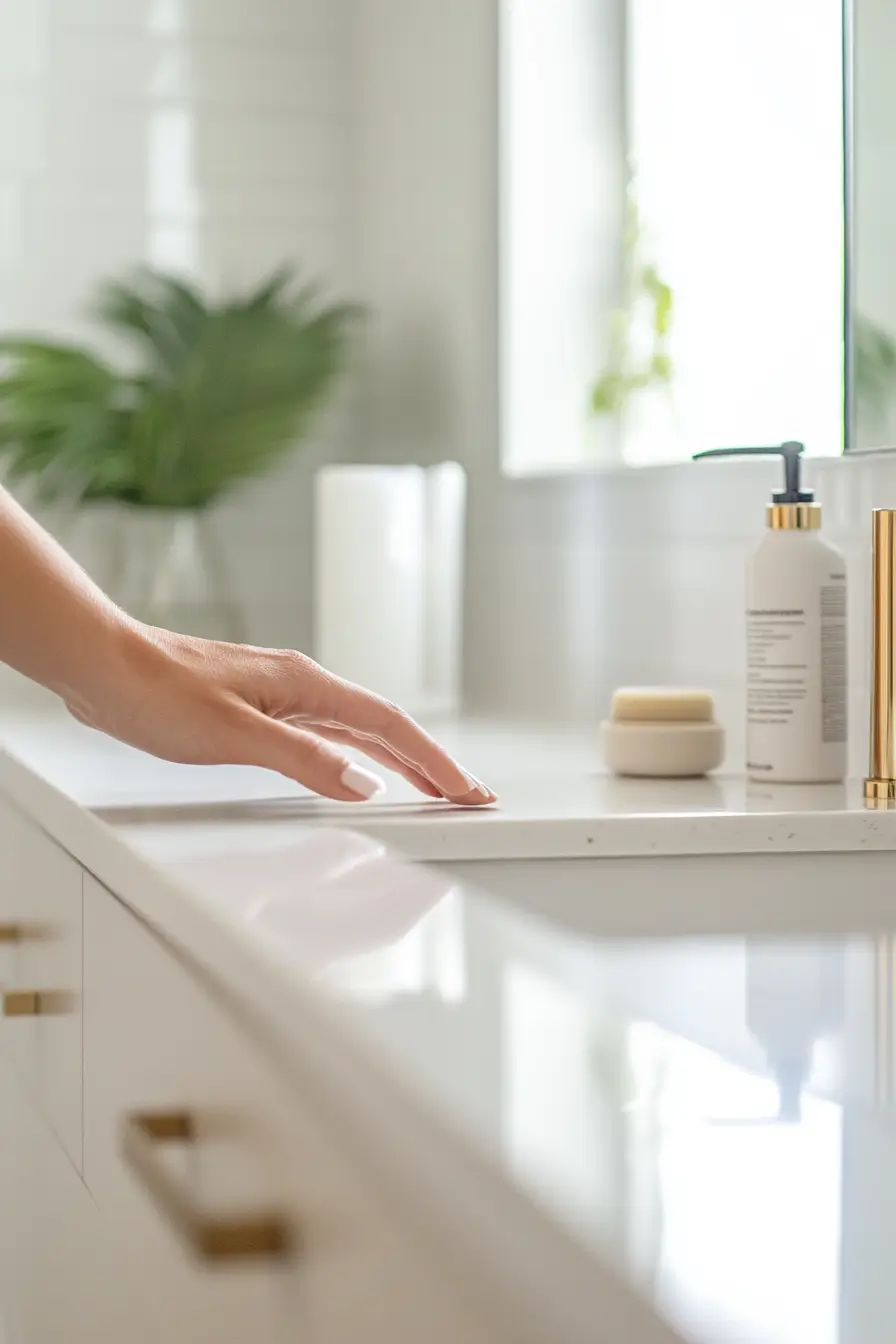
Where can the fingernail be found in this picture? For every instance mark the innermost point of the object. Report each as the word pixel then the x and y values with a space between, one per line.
pixel 477 786
pixel 363 782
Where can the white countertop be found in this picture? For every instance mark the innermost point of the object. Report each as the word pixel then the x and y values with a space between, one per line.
pixel 623 1083
pixel 554 800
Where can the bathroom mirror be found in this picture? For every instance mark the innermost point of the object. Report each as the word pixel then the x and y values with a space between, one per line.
pixel 871 232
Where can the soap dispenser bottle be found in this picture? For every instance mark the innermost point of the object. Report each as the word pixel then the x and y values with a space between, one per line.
pixel 796 638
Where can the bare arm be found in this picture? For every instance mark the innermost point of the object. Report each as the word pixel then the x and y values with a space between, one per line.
pixel 56 626
pixel 200 701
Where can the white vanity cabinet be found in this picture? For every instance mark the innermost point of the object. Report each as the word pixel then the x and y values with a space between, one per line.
pixel 40 972
pixel 160 1042
pixel 54 1262
pixel 173 1172
pixel 64 1281
pixel 169 1243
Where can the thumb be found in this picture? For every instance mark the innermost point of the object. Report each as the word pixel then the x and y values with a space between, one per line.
pixel 306 758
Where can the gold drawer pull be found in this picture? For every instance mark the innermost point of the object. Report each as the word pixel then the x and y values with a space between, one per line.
pixel 35 1003
pixel 21 1003
pixel 209 1236
pixel 10 934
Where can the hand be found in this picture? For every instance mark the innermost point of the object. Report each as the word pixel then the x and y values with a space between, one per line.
pixel 200 702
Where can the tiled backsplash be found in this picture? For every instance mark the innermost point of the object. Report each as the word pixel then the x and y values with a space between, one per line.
pixel 669 549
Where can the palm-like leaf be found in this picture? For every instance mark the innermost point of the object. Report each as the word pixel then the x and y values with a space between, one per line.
pixel 59 415
pixel 875 362
pixel 221 392
pixel 162 316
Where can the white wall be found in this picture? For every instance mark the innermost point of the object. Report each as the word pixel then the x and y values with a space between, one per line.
pixel 875 145
pixel 671 560
pixel 211 135
pixel 874 289
pixel 427 114
pixel 425 110
pixel 383 116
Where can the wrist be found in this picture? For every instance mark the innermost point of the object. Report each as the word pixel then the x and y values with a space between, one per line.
pixel 119 652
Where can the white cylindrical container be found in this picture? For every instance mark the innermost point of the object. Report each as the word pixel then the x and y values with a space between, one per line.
pixel 796 653
pixel 446 494
pixel 370 577
pixel 796 687
pixel 389 565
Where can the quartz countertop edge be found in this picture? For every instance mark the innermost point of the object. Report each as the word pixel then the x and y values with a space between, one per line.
pixel 483 837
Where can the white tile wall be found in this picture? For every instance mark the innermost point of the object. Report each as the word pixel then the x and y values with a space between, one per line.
pixel 669 550
pixel 207 133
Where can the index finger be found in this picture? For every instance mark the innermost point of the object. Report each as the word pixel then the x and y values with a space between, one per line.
pixel 367 713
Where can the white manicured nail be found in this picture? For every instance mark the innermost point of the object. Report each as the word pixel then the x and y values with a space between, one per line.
pixel 363 782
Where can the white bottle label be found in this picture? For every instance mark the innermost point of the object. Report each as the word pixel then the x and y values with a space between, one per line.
pixel 833 663
pixel 797 685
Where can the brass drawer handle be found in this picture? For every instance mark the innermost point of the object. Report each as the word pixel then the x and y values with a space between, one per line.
pixel 11 934
pixel 21 1003
pixel 36 1003
pixel 209 1236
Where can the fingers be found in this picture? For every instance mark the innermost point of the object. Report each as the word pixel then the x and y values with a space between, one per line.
pixel 382 755
pixel 304 757
pixel 358 709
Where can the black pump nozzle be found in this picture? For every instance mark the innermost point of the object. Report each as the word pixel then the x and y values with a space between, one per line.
pixel 790 452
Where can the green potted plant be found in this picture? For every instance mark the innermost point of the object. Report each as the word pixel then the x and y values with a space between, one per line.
pixel 875 366
pixel 213 394
pixel 638 358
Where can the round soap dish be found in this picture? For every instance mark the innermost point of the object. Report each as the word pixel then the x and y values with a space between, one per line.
pixel 659 733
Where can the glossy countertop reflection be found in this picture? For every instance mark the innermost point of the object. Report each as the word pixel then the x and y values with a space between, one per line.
pixel 713 1114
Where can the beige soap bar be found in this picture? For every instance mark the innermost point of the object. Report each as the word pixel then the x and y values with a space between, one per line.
pixel 652 704
pixel 662 733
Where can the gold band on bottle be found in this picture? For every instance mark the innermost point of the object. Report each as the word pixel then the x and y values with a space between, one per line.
pixel 793 517
pixel 880 786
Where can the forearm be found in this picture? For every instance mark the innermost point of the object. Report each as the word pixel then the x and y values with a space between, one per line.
pixel 56 626
pixel 198 701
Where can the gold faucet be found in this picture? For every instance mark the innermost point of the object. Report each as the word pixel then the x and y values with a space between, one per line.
pixel 880 786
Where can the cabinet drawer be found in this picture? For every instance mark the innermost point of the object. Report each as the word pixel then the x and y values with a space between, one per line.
pixel 157 1039
pixel 16 1209
pixel 40 971
pixel 65 1283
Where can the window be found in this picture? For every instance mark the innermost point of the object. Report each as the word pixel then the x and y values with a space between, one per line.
pixel 731 118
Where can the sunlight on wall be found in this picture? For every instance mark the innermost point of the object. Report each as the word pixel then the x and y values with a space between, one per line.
pixel 735 126
pixel 736 135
